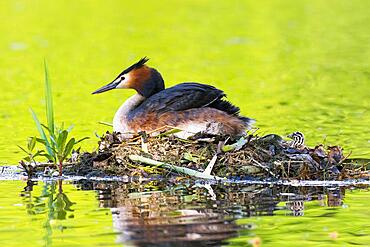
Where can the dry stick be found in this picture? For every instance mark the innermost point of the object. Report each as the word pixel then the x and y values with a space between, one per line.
pixel 179 169
pixel 362 167
pixel 253 130
pixel 262 166
pixel 341 161
pixel 209 167
pixel 211 164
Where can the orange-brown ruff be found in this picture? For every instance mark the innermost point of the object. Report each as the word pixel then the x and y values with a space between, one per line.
pixel 191 107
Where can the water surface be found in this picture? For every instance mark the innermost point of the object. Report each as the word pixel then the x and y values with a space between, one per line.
pixel 155 214
pixel 291 65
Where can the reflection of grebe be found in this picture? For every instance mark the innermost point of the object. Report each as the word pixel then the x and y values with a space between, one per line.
pixel 191 107
pixel 155 219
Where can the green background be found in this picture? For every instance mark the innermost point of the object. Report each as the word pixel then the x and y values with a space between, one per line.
pixel 291 65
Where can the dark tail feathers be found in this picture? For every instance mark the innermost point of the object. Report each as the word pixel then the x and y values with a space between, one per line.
pixel 247 121
pixel 231 109
pixel 225 106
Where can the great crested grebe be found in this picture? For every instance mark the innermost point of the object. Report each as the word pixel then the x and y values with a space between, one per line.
pixel 191 107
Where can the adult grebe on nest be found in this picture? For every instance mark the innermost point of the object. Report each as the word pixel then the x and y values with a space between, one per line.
pixel 190 107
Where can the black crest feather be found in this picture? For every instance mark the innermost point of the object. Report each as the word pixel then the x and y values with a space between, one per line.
pixel 136 65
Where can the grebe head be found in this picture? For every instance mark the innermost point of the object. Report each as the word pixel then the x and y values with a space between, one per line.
pixel 145 80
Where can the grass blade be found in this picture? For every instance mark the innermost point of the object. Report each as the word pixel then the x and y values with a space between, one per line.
pixel 105 123
pixel 49 100
pixel 42 133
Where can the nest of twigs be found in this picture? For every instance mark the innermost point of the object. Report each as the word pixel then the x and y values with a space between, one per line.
pixel 251 156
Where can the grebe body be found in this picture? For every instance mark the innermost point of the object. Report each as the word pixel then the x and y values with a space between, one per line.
pixel 191 107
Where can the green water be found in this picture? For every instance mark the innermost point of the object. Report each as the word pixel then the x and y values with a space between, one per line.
pixel 97 214
pixel 291 65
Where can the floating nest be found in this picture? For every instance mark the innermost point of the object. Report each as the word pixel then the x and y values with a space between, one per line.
pixel 251 156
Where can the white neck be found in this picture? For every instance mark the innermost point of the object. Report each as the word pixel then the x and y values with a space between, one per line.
pixel 120 118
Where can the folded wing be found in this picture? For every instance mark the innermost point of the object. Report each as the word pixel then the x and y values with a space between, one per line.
pixel 181 97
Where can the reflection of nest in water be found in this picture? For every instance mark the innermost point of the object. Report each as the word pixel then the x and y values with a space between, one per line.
pixel 178 214
pixel 261 157
pixel 183 226
pixel 161 218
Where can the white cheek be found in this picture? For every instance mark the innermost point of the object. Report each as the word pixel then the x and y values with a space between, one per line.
pixel 124 83
pixel 121 85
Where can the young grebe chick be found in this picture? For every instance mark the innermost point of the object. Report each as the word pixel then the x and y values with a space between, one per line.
pixel 191 107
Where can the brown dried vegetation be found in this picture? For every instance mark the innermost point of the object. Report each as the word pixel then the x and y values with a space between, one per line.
pixel 260 157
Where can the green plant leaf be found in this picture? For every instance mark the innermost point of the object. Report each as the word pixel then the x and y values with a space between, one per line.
pixel 62 138
pixel 31 143
pixel 39 153
pixel 53 141
pixel 24 150
pixel 28 159
pixel 85 138
pixel 170 132
pixel 47 128
pixel 49 100
pixel 49 131
pixel 68 148
pixel 235 146
pixel 48 147
pixel 49 157
pixel 190 157
pixel 40 140
pixel 52 148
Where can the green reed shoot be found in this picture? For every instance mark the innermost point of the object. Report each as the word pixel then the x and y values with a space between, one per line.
pixel 55 140
pixel 32 154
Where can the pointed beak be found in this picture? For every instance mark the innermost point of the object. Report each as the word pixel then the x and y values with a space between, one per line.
pixel 105 88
